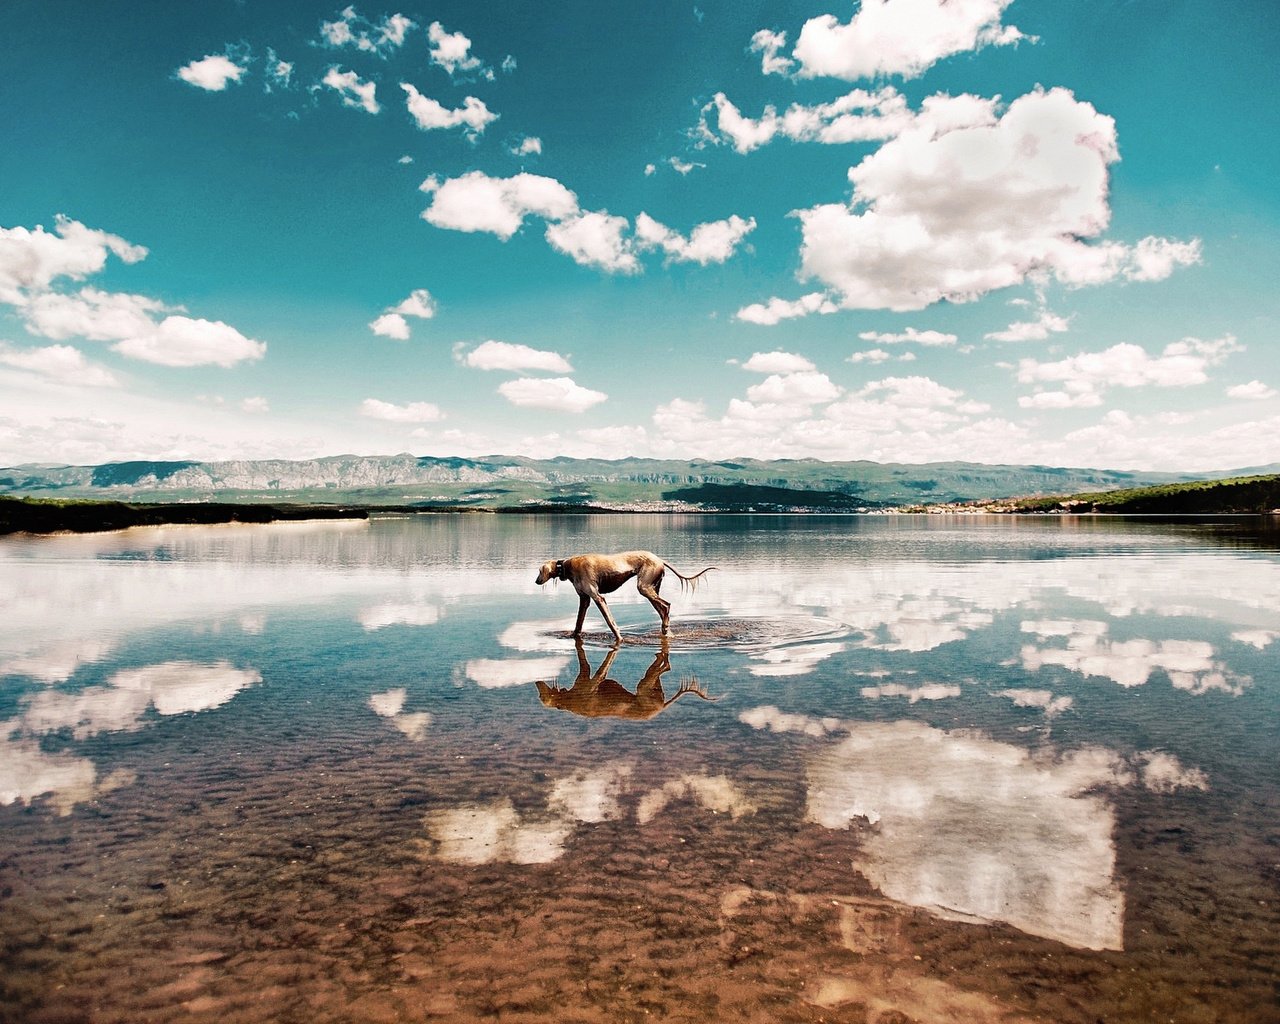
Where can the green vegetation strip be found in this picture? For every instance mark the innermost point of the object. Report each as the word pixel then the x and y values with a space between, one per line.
pixel 1250 494
pixel 47 515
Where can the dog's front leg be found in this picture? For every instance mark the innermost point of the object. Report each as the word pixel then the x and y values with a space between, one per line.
pixel 583 602
pixel 608 617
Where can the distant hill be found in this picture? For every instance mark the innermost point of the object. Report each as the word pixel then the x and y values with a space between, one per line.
pixel 1253 494
pixel 500 481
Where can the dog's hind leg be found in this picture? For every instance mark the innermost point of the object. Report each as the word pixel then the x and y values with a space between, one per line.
pixel 663 608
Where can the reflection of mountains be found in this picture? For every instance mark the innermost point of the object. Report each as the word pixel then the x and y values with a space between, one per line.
pixel 595 695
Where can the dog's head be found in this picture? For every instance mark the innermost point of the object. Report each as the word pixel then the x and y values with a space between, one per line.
pixel 549 571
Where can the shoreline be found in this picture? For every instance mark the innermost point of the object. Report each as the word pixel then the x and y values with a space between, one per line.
pixel 41 518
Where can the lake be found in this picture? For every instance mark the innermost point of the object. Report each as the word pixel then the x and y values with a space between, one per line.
pixel 886 769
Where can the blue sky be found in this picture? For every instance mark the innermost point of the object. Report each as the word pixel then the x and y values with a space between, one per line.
pixel 904 230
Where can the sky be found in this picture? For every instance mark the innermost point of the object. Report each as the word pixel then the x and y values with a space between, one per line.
pixel 1001 231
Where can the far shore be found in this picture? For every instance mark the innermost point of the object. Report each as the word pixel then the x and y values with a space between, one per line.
pixel 50 517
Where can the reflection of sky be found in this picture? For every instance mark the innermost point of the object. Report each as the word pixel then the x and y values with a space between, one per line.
pixel 482 833
pixel 970 828
pixel 919 606
pixel 494 673
pixel 390 705
pixel 929 691
pixel 72 609
pixel 1190 664
pixel 392 613
pixel 171 688
pixel 974 829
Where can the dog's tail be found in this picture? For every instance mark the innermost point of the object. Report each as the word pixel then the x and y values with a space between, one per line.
pixel 689 581
pixel 691 686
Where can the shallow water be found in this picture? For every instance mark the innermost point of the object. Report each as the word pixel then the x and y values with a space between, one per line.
pixel 885 770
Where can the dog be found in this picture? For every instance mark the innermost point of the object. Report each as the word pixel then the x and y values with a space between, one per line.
pixel 593 576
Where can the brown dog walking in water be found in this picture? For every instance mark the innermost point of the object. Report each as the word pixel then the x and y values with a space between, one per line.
pixel 593 576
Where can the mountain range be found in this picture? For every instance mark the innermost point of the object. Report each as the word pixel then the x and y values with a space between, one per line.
pixel 626 484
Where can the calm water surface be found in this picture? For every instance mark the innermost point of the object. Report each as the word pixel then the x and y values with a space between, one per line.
pixel 886 770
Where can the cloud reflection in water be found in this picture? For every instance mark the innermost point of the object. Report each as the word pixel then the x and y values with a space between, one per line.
pixel 972 829
pixel 172 688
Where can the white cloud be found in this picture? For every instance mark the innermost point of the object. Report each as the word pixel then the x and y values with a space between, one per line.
pixel 128 321
pixel 559 393
pixel 92 314
pixel 917 394
pixel 953 209
pixel 419 304
pixel 595 240
pixel 1255 390
pixel 794 389
pixel 414 412
pixel 683 167
pixel 778 362
pixel 910 334
pixel 211 73
pixel 391 325
pixel 1085 375
pixel 476 202
pixel 527 145
pixel 858 116
pixel 906 419
pixel 713 242
pixel 899 37
pixel 255 404
pixel 185 341
pixel 874 355
pixel 1060 400
pixel 1154 259
pixel 1033 330
pixel 776 310
pixel 279 72
pixel 30 260
pixel 770 44
pixel 392 322
pixel 61 363
pixel 430 114
pixel 353 30
pixel 451 50
pixel 354 91
pixel 502 355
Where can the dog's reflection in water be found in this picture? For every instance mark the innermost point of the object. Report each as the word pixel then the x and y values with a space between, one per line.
pixel 595 695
